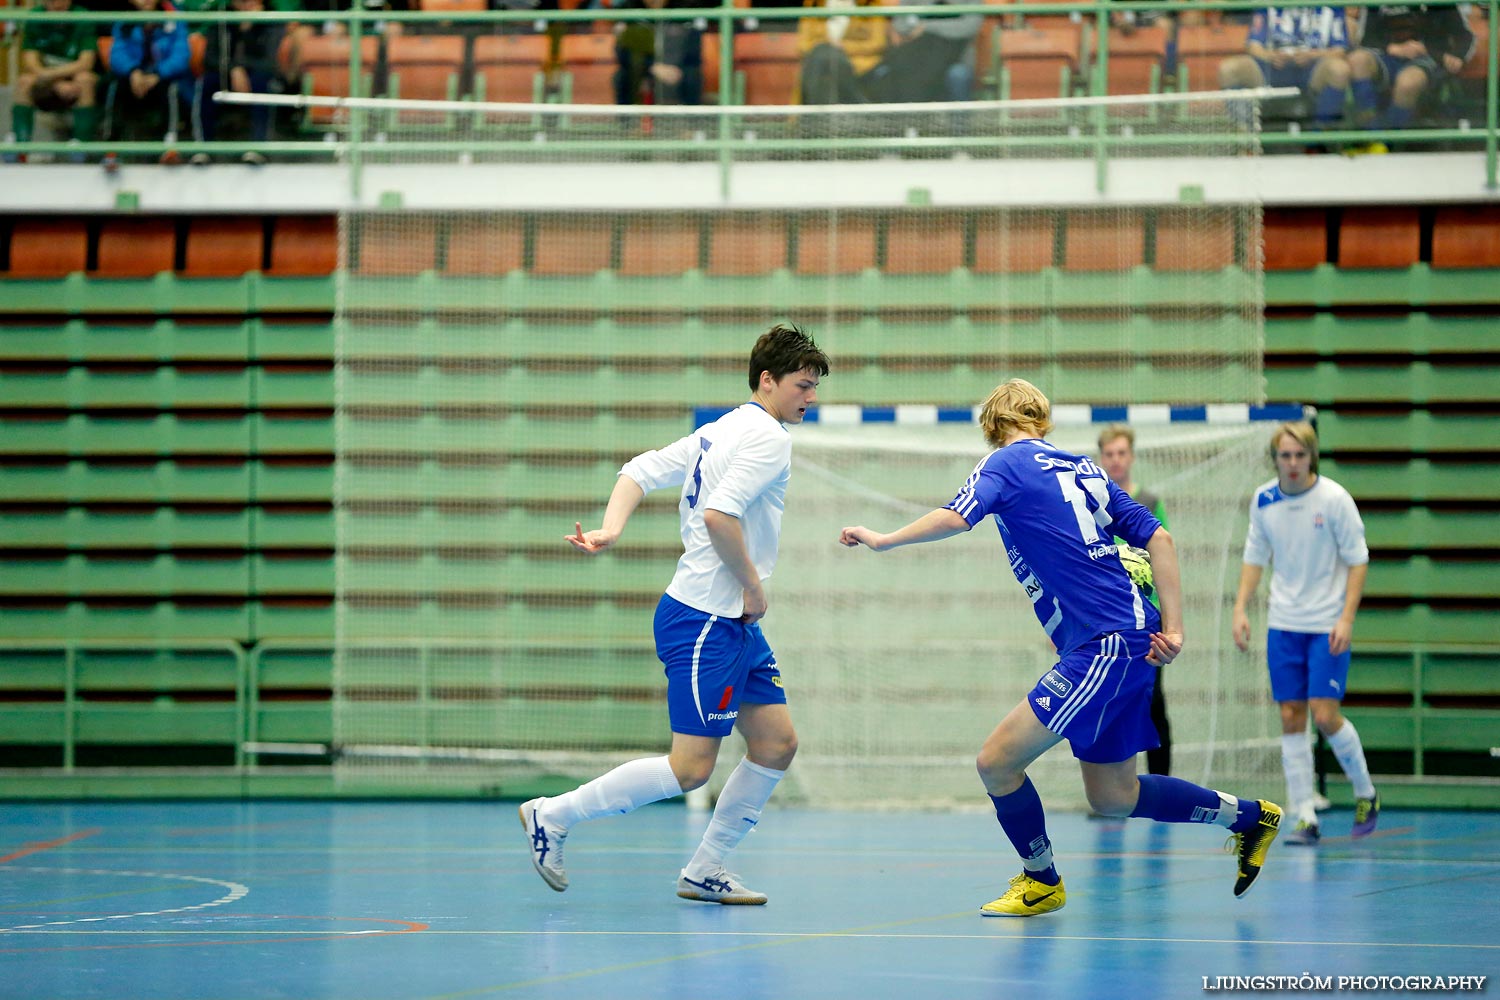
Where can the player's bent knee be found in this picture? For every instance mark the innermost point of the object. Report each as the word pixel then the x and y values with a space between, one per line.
pixel 1110 804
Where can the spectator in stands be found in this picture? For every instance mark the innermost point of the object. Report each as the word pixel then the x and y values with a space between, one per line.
pixel 56 74
pixel 1117 458
pixel 668 53
pixel 245 56
pixel 1405 49
pixel 841 55
pixel 1302 47
pixel 934 60
pixel 150 62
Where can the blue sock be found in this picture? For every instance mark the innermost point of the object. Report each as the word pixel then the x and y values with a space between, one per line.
pixel 1365 96
pixel 1328 107
pixel 1248 816
pixel 1021 817
pixel 1173 800
pixel 1398 117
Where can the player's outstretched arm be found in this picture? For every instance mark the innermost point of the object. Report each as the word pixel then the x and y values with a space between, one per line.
pixel 940 523
pixel 623 501
pixel 1249 580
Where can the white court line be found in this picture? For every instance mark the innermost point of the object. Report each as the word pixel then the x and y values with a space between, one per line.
pixel 236 892
pixel 815 935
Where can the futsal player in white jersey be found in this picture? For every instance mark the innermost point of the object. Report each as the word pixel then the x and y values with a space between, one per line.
pixel 1309 528
pixel 721 673
pixel 1058 514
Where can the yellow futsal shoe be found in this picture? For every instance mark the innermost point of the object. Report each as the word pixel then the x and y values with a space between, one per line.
pixel 1252 846
pixel 1026 898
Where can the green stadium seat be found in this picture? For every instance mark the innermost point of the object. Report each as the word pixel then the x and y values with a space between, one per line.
pixel 1425 528
pixel 1416 383
pixel 1417 432
pixel 1418 480
pixel 1414 333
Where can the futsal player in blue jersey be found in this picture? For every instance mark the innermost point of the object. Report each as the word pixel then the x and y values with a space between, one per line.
pixel 721 673
pixel 1058 514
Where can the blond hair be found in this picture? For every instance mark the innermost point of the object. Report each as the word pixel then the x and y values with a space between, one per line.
pixel 1014 406
pixel 1114 431
pixel 1303 433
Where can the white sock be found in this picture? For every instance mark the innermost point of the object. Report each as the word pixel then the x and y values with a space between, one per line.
pixel 1351 754
pixel 738 810
pixel 1297 762
pixel 625 789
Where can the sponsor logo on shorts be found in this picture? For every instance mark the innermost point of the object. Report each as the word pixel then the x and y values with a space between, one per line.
pixel 776 679
pixel 1057 683
pixel 722 716
pixel 1045 703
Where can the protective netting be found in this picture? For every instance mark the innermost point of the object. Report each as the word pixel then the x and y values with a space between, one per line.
pixel 497 362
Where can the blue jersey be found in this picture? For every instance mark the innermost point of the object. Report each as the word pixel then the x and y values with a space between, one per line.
pixel 1058 515
pixel 1315 28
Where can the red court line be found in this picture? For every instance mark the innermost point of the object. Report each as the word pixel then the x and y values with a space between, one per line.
pixel 47 845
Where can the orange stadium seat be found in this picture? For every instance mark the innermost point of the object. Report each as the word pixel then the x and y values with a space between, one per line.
pixel 589 61
pixel 223 246
pixel 1192 240
pixel 454 6
pixel 136 248
pixel 1063 19
pixel 770 65
pixel 1104 240
pixel 1380 237
pixel 509 68
pixel 1465 236
pixel 486 247
pixel 569 246
pixel 926 243
pixel 424 68
pixel 746 246
pixel 656 246
pixel 396 247
pixel 1296 239
pixel 844 244
pixel 1477 68
pixel 1135 59
pixel 325 68
pixel 1015 243
pixel 710 56
pixel 1039 62
pixel 304 246
pixel 48 248
pixel 1202 47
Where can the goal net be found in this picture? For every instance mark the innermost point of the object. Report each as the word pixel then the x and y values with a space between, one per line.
pixel 531 294
pixel 899 664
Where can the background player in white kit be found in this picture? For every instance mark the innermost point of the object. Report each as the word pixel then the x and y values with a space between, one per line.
pixel 1058 514
pixel 1308 527
pixel 721 673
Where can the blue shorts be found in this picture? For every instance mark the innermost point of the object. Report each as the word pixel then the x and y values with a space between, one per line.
pixel 712 664
pixel 1302 667
pixel 1290 75
pixel 1098 698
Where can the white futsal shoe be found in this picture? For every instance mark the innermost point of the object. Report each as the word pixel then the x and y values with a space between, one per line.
pixel 545 842
pixel 718 886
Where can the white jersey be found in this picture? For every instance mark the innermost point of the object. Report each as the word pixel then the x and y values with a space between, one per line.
pixel 740 465
pixel 1312 539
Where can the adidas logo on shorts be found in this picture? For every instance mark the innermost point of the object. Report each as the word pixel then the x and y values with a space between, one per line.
pixel 1045 702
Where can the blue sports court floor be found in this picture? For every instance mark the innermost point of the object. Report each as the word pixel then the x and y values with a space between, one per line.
pixel 437 901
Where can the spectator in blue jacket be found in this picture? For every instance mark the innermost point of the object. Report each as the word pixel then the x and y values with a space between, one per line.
pixel 150 63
